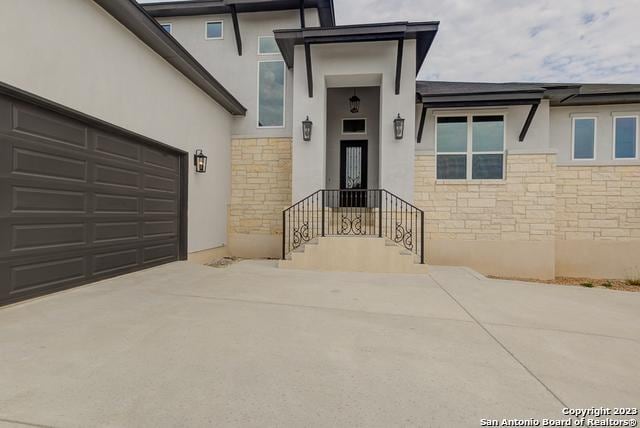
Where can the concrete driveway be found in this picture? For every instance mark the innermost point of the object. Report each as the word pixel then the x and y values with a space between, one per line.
pixel 251 345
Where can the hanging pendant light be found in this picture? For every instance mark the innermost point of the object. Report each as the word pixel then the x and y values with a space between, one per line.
pixel 354 103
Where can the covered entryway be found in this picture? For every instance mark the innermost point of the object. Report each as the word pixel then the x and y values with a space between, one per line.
pixel 81 200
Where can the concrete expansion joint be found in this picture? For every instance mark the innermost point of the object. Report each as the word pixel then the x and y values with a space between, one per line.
pixel 502 345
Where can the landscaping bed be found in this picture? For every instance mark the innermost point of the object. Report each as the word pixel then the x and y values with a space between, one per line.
pixel 610 284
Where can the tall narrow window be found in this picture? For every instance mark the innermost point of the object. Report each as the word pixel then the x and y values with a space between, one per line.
pixel 167 27
pixel 625 137
pixel 488 147
pixel 271 84
pixel 214 30
pixel 584 138
pixel 451 137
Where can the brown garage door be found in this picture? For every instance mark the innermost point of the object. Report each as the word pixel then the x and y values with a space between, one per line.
pixel 81 200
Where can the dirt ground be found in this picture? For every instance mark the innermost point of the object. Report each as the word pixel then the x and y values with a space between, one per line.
pixel 611 284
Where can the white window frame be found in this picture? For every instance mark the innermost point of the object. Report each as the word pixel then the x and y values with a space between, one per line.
pixel 266 53
pixel 469 153
pixel 284 95
pixel 626 116
pixel 366 126
pixel 170 26
pixel 573 138
pixel 206 27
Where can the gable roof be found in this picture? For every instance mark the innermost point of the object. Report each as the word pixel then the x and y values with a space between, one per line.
pixel 559 94
pixel 149 31
pixel 325 8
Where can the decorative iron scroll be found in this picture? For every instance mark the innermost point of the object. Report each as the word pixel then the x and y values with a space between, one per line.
pixel 300 235
pixel 403 236
pixel 351 224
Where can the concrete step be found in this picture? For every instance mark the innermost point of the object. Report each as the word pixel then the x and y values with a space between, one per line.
pixel 354 254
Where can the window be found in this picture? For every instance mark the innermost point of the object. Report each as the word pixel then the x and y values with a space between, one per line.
pixel 470 147
pixel 584 138
pixel 625 137
pixel 488 147
pixel 271 84
pixel 354 126
pixel 267 45
pixel 167 27
pixel 214 30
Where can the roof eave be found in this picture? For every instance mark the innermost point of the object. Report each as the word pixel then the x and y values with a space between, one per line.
pixel 147 29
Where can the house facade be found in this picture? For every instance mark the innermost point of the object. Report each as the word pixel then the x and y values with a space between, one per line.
pixel 530 180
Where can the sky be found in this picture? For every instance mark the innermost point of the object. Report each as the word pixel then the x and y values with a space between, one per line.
pixel 588 41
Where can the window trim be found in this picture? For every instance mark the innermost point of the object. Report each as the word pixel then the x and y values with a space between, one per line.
pixel 626 116
pixel 366 126
pixel 573 138
pixel 469 152
pixel 266 53
pixel 206 28
pixel 284 95
pixel 162 24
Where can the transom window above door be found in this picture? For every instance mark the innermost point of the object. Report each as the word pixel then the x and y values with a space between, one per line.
pixel 470 147
pixel 354 126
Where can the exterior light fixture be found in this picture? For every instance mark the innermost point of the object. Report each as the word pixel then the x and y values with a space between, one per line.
pixel 307 125
pixel 354 103
pixel 200 161
pixel 398 127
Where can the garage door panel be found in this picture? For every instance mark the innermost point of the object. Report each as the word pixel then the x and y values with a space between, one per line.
pixel 79 202
pixel 160 253
pixel 116 231
pixel 162 228
pixel 115 204
pixel 116 261
pixel 6 109
pixel 158 183
pixel 160 206
pixel 40 123
pixel 29 277
pixel 41 200
pixel 117 148
pixel 39 164
pixel 47 236
pixel 116 177
pixel 160 159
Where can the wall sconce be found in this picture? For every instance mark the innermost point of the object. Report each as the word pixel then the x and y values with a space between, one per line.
pixel 307 125
pixel 200 161
pixel 398 127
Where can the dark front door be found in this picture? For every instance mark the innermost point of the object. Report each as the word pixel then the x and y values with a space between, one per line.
pixel 353 173
pixel 81 201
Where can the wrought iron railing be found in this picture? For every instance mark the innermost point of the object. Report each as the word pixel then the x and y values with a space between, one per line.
pixel 374 212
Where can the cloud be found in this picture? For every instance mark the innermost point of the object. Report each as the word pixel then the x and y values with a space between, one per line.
pixel 518 40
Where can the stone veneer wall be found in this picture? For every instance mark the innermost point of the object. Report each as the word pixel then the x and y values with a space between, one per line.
pixel 598 221
pixel 260 190
pixel 542 221
pixel 501 227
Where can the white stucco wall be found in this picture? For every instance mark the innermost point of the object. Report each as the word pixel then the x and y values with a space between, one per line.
pixel 561 132
pixel 239 74
pixel 74 53
pixel 537 139
pixel 330 63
